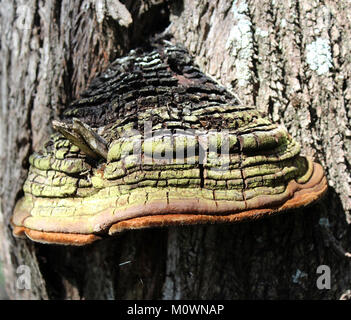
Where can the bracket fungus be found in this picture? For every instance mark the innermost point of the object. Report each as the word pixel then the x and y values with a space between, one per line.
pixel 155 142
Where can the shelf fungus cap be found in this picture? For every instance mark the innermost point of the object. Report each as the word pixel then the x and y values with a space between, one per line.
pixel 177 150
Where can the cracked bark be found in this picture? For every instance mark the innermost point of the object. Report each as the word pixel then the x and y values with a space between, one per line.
pixel 51 50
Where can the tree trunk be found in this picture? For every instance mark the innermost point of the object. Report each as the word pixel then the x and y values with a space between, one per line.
pixel 292 59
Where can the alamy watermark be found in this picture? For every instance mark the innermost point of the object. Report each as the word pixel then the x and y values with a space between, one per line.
pixel 324 280
pixel 178 146
pixel 24 17
pixel 23 281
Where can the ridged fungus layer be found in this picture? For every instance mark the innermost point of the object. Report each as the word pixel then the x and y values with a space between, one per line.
pixel 155 142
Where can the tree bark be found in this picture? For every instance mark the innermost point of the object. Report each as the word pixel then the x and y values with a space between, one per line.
pixel 292 59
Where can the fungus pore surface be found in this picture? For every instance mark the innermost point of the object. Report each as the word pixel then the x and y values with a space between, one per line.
pixel 155 142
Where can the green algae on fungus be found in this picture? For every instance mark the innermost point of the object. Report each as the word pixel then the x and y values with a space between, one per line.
pixel 160 145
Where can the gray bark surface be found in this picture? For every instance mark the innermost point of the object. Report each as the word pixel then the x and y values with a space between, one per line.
pixel 290 58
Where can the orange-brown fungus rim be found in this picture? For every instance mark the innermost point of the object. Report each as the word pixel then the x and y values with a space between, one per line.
pixel 55 237
pixel 304 195
pixel 304 199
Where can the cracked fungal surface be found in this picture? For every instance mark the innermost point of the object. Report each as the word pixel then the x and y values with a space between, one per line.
pixel 145 146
